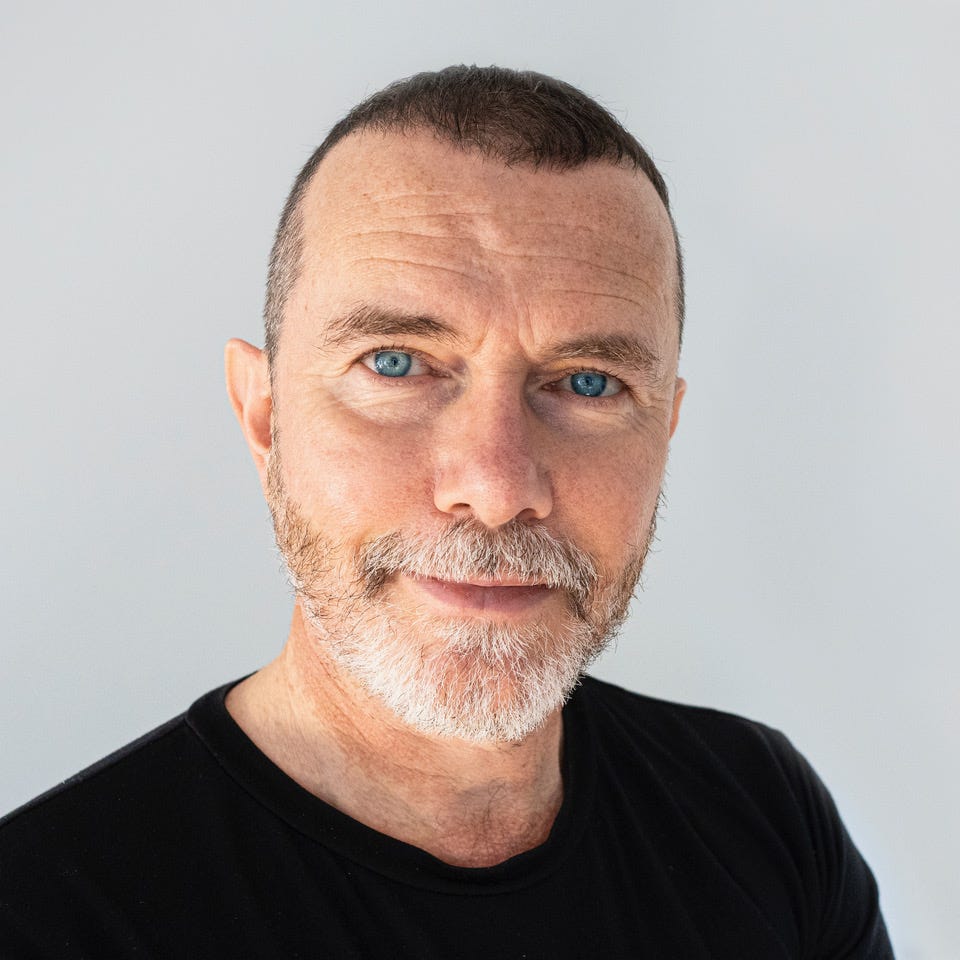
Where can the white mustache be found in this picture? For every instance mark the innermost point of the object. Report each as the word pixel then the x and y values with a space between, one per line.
pixel 467 550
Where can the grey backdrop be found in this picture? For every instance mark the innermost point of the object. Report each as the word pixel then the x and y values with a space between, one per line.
pixel 809 553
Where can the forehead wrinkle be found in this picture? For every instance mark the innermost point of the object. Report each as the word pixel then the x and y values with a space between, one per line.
pixel 366 212
pixel 601 293
pixel 599 267
pixel 420 264
pixel 424 193
pixel 485 235
pixel 438 214
pixel 444 236
pixel 472 239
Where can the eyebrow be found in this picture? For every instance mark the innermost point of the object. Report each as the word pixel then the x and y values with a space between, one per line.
pixel 613 348
pixel 368 320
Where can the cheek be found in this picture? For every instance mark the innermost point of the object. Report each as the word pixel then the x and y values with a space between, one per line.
pixel 606 498
pixel 353 478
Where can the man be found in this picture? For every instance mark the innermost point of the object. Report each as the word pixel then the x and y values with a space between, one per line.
pixel 460 420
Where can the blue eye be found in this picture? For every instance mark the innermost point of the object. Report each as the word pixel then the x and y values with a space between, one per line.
pixel 589 383
pixel 392 363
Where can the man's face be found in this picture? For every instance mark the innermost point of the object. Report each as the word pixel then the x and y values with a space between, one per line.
pixel 473 395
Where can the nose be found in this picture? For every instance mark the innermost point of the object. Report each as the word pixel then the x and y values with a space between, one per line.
pixel 490 462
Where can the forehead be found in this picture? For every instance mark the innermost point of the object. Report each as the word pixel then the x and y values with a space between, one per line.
pixel 411 223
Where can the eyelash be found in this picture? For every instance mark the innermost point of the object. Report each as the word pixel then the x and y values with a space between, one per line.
pixel 397 348
pixel 424 359
pixel 624 387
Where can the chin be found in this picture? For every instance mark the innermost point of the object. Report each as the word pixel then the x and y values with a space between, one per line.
pixel 475 680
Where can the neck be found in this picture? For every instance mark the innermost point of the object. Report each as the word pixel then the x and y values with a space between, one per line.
pixel 469 804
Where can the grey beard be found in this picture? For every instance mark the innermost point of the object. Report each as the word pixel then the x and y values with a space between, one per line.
pixel 476 679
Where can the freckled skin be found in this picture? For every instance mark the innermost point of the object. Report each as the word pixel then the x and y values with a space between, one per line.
pixel 515 261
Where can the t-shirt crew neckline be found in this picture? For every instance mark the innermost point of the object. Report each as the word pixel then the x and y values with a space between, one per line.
pixel 256 774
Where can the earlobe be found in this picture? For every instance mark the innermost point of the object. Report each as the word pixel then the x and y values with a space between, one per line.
pixel 248 387
pixel 679 390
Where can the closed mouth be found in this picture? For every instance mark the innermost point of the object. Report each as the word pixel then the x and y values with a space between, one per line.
pixel 506 595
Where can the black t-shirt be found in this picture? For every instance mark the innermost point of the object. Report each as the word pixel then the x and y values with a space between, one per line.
pixel 684 833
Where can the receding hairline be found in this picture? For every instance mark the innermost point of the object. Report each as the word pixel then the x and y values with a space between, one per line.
pixel 297 219
pixel 516 118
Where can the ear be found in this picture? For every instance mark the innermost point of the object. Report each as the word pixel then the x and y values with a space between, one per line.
pixel 678 391
pixel 248 386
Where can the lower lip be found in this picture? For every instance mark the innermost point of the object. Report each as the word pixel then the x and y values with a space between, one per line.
pixel 468 597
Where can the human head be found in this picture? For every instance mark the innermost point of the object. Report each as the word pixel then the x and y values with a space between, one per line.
pixel 516 117
pixel 487 472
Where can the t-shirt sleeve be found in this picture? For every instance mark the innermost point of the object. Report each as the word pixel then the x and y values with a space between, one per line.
pixel 845 917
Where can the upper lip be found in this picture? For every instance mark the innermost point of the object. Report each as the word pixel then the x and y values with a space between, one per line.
pixel 489 582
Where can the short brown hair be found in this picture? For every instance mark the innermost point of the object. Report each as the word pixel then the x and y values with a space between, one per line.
pixel 517 117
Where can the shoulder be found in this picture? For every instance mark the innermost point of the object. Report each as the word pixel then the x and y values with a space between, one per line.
pixel 121 763
pixel 171 764
pixel 751 798
pixel 76 852
pixel 84 819
pixel 652 722
pixel 712 763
